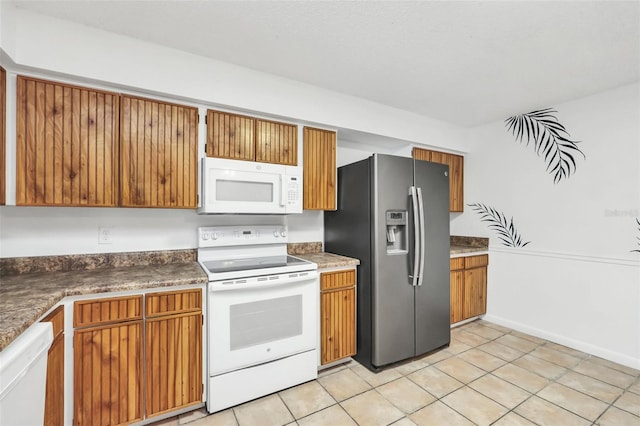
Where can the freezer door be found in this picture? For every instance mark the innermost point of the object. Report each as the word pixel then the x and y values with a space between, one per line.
pixel 393 314
pixel 432 296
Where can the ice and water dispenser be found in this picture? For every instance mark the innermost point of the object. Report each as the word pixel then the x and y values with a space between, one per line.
pixel 396 221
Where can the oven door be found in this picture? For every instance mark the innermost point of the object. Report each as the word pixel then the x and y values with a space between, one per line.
pixel 257 323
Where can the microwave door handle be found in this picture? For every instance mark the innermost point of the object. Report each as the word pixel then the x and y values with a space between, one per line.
pixel 282 191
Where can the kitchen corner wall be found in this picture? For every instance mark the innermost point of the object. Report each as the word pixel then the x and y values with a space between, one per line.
pixel 577 282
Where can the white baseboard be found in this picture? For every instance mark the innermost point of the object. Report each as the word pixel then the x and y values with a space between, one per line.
pixel 623 359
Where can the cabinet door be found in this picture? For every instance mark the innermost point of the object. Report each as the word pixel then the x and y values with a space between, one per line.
pixel 421 154
pixel 456 174
pixel 3 133
pixel 67 145
pixel 456 182
pixel 158 154
pixel 173 362
pixel 457 296
pixel 337 324
pixel 230 136
pixel 319 169
pixel 276 142
pixel 475 292
pixel 54 399
pixel 108 374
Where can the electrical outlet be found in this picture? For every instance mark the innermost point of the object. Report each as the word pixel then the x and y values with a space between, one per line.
pixel 105 236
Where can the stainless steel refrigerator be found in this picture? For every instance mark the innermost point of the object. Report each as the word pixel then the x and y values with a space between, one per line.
pixel 393 215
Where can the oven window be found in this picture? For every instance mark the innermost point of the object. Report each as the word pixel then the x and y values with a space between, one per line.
pixel 239 190
pixel 265 321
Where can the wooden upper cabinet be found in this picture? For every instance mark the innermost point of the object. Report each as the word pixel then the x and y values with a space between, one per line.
pixel 158 154
pixel 230 136
pixel 240 137
pixel 67 145
pixel 319 174
pixel 3 134
pixel 456 174
pixel 276 142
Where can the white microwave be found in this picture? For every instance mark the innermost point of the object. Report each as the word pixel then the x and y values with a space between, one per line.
pixel 236 186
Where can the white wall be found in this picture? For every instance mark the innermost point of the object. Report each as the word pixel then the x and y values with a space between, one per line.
pixel 578 281
pixel 72 50
pixel 51 48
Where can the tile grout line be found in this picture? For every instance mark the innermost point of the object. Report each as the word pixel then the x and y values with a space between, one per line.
pixel 452 355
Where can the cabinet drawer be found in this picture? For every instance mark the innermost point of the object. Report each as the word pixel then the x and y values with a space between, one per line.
pixel 101 311
pixel 476 261
pixel 457 263
pixel 56 318
pixel 337 279
pixel 173 302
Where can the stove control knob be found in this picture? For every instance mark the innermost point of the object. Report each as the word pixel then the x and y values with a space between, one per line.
pixel 276 233
pixel 214 236
pixel 205 236
pixel 283 233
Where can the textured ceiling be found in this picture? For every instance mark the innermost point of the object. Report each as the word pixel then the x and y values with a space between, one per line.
pixel 466 63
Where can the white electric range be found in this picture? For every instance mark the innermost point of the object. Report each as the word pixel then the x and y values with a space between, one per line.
pixel 262 310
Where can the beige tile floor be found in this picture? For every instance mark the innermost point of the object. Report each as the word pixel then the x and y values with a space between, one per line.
pixel 489 375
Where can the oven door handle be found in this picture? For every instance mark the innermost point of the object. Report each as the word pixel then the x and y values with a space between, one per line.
pixel 262 282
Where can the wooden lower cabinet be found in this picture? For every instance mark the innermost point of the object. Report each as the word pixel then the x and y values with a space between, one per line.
pixel 475 292
pixel 130 366
pixel 457 296
pixel 173 362
pixel 54 399
pixel 108 374
pixel 337 315
pixel 468 282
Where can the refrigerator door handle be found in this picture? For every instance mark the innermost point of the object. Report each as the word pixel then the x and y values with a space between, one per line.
pixel 422 236
pixel 416 236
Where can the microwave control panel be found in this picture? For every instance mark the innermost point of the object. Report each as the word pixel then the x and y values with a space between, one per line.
pixel 293 190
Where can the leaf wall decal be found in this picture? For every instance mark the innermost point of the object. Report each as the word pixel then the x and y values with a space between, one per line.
pixel 550 139
pixel 507 233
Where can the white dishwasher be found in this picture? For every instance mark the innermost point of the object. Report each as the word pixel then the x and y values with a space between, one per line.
pixel 23 376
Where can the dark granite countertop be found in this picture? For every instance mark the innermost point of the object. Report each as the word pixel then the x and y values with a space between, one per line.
pixel 329 260
pixel 313 253
pixel 461 245
pixel 25 297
